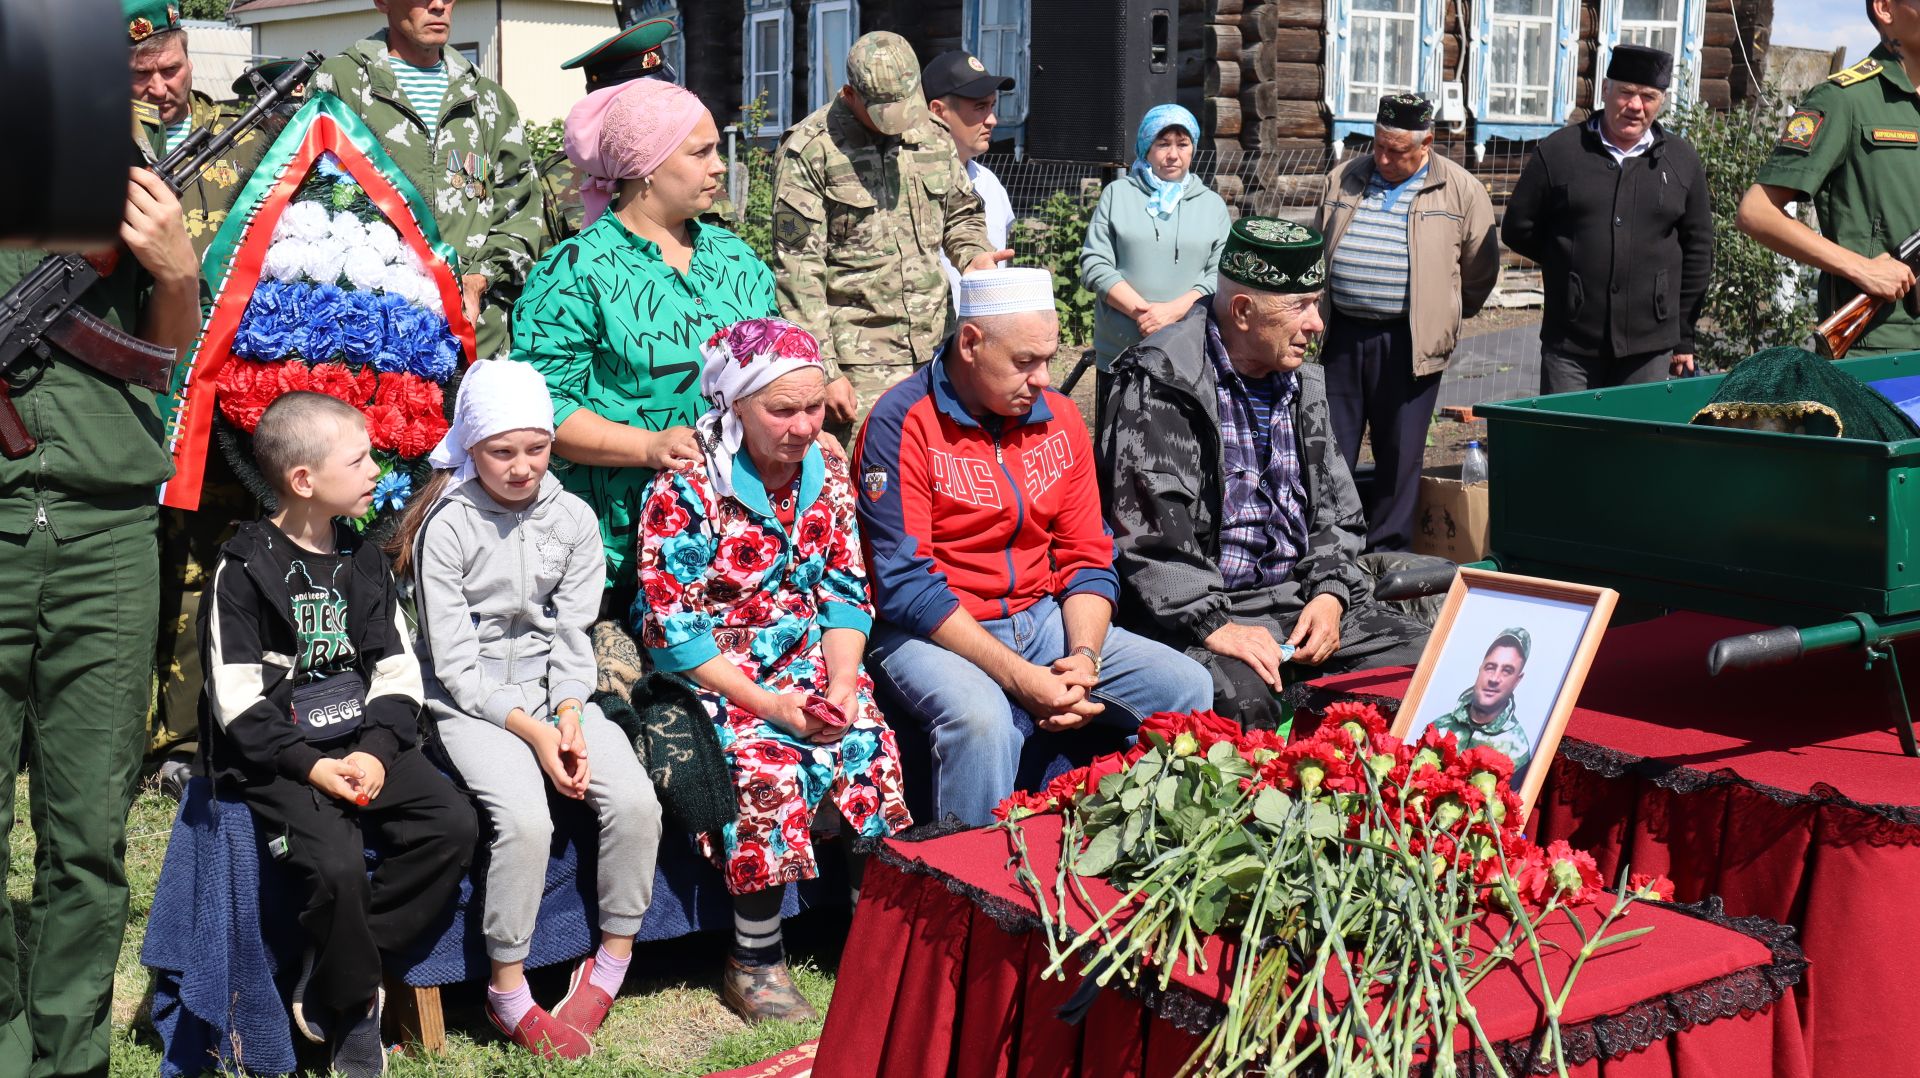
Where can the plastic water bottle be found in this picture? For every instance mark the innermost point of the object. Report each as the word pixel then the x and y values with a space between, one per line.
pixel 1473 470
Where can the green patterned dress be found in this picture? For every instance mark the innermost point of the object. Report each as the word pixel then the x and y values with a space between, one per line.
pixel 617 331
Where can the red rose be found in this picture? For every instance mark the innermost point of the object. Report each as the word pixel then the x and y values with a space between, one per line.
pixel 385 422
pixel 747 555
pixel 794 830
pixel 664 515
pixel 815 530
pixel 663 590
pixel 859 804
pixel 1112 763
pixel 764 796
pixel 749 869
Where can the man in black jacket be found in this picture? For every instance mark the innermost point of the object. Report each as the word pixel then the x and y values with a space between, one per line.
pixel 1616 212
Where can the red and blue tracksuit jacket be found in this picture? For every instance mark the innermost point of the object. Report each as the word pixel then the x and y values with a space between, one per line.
pixel 991 518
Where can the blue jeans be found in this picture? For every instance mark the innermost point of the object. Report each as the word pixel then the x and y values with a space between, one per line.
pixel 970 720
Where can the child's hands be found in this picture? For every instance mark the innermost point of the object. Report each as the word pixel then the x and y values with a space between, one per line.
pixel 338 778
pixel 374 775
pixel 573 743
pixel 567 769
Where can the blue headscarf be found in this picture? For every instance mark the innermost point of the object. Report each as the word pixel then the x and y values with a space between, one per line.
pixel 1166 193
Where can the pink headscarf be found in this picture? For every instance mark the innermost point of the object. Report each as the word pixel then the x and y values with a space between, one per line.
pixel 625 132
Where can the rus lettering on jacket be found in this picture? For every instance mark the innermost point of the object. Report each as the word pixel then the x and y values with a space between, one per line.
pixel 965 479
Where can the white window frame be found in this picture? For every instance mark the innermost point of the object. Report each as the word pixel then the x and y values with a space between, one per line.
pixel 754 66
pixel 1012 107
pixel 1561 80
pixel 1428 19
pixel 1359 29
pixel 1524 80
pixel 1692 28
pixel 823 84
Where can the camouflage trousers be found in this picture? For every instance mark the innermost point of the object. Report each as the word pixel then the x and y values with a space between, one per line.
pixel 1371 634
pixel 869 382
pixel 189 548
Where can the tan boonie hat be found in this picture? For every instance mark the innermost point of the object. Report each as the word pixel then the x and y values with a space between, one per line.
pixel 883 70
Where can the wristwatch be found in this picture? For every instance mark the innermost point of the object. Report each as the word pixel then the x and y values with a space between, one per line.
pixel 1089 653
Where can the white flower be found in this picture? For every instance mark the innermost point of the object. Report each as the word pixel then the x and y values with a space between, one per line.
pixel 305 221
pixel 383 241
pixel 325 262
pixel 364 269
pixel 347 232
pixel 286 259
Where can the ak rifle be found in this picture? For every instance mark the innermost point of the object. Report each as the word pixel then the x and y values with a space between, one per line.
pixel 42 311
pixel 1833 337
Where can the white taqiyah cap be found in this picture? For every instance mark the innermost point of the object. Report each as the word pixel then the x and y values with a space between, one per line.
pixel 1010 290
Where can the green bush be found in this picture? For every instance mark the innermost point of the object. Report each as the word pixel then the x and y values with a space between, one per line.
pixel 1756 299
pixel 754 221
pixel 1052 236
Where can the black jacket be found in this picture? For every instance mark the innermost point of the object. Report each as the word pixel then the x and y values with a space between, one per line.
pixel 247 648
pixel 1625 250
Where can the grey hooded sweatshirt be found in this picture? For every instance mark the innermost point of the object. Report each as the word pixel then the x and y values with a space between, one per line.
pixel 504 599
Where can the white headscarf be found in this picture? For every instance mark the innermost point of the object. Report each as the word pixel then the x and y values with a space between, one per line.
pixel 742 360
pixel 496 396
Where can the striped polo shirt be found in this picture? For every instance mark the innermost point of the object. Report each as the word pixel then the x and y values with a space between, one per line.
pixel 1368 272
pixel 425 87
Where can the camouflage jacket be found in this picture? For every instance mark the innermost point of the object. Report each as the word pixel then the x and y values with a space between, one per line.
pixel 476 171
pixel 859 222
pixel 207 199
pixel 1160 466
pixel 1504 734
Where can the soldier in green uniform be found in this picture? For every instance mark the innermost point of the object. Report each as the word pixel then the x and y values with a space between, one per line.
pixel 78 609
pixel 1853 146
pixel 1486 714
pixel 633 53
pixel 867 194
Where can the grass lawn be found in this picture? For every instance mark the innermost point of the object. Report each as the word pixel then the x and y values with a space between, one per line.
pixel 668 1023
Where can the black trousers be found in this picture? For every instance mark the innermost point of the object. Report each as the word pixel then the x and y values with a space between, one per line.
pixel 425 830
pixel 1563 373
pixel 1371 387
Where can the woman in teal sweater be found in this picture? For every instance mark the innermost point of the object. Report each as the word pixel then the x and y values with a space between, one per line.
pixel 1153 246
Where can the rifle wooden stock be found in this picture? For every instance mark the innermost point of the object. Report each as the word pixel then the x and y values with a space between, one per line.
pixel 1843 327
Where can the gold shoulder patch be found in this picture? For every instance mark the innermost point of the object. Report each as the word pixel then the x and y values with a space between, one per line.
pixel 1859 72
pixel 146 112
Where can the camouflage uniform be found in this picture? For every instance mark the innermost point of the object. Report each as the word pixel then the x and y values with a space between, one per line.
pixel 475 170
pixel 1504 734
pixel 1160 459
pixel 859 222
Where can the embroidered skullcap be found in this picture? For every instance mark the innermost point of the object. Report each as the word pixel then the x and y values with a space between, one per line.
pixel 496 396
pixel 1274 255
pixel 1008 290
pixel 1405 112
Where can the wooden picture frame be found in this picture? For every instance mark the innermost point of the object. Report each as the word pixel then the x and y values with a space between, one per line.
pixel 1481 609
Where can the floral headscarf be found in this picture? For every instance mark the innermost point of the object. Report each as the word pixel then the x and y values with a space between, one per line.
pixel 742 360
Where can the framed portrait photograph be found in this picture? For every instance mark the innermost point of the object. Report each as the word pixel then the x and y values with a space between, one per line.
pixel 1504 667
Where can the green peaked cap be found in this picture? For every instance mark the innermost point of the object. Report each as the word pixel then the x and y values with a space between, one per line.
pixel 629 54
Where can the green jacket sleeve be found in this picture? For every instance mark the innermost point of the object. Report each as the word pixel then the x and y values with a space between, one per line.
pixel 965 238
pixel 1098 271
pixel 800 250
pixel 517 233
pixel 1802 159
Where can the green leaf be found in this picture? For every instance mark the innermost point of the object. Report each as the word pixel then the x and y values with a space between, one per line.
pixel 1132 798
pixel 1323 822
pixel 1221 752
pixel 1110 784
pixel 1166 794
pixel 1271 806
pixel 1099 855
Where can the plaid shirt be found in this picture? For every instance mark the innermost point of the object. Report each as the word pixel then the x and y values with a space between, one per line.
pixel 1263 528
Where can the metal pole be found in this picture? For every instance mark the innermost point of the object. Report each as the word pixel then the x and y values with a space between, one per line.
pixel 736 174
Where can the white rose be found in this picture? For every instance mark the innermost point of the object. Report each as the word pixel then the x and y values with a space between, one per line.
pixel 383 241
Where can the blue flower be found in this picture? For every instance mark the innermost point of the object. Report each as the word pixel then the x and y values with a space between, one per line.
pixel 687 556
pixel 815 777
pixel 362 329
pixel 774 641
pixel 686 625
pixel 440 354
pixel 321 312
pixel 807 573
pixel 857 750
pixel 266 325
pixel 393 491
pixel 401 336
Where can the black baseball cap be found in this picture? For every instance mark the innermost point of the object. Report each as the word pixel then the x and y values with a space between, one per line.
pixel 960 74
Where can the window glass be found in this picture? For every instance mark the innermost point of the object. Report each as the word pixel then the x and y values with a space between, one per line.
pixel 833 37
pixel 1519 68
pixel 766 43
pixel 997 34
pixel 1384 54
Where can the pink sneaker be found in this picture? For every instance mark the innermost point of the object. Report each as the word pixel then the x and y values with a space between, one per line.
pixel 544 1035
pixel 585 1005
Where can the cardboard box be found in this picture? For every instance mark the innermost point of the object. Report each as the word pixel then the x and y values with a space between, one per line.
pixel 1450 520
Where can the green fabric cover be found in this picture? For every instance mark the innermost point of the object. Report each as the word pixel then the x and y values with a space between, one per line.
pixel 1795 386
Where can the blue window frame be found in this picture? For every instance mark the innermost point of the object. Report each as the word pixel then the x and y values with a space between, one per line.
pixel 767 63
pixel 997 31
pixel 1678 26
pixel 832 26
pixel 1375 48
pixel 1522 68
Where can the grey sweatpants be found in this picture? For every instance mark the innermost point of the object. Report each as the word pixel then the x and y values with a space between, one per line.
pixel 501 771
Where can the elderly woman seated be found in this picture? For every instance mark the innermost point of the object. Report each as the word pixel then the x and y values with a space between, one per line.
pixel 753 587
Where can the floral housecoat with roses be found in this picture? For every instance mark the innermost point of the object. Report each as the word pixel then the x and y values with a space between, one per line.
pixel 722 577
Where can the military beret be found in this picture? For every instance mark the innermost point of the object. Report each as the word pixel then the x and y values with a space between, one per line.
pixel 1516 638
pixel 1406 112
pixel 1274 255
pixel 146 18
pixel 630 54
pixel 1641 65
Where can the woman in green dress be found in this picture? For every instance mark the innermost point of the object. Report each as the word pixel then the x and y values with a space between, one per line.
pixel 615 316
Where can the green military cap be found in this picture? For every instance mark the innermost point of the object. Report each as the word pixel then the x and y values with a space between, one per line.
pixel 630 54
pixel 1274 255
pixel 270 70
pixel 146 18
pixel 883 70
pixel 1516 638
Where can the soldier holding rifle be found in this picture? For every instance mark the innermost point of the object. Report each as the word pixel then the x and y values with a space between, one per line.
pixel 1853 146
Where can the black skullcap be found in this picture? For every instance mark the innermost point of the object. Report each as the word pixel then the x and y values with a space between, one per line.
pixel 1641 65
pixel 1407 112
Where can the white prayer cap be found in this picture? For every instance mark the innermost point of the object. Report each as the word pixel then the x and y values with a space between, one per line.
pixel 496 396
pixel 1009 290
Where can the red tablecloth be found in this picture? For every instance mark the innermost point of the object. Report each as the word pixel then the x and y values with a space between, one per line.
pixel 942 977
pixel 1783 791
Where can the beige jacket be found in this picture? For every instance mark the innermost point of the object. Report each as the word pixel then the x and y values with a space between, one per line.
pixel 1450 241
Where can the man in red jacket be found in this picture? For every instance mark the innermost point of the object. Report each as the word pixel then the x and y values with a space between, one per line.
pixel 991 569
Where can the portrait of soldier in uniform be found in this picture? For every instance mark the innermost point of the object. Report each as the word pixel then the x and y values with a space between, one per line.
pixel 1486 713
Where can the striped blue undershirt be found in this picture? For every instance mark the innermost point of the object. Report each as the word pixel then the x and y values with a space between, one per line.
pixel 1368 273
pixel 178 131
pixel 425 87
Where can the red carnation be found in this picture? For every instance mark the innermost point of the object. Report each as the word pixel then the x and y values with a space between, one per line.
pixel 1064 790
pixel 1021 804
pixel 1258 746
pixel 1206 727
pixel 335 380
pixel 419 437
pixel 385 422
pixel 1655 887
pixel 1365 719
pixel 294 377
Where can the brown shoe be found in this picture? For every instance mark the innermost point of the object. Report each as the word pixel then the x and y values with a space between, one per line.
pixel 764 993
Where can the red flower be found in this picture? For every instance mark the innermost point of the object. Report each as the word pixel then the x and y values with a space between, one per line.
pixel 750 869
pixel 1206 727
pixel 663 590
pixel 1111 764
pixel 1312 765
pixel 1021 803
pixel 385 422
pixel 815 530
pixel 858 804
pixel 420 436
pixel 240 396
pixel 1363 720
pixel 664 515
pixel 748 554
pixel 416 397
pixel 294 377
pixel 335 380
pixel 1065 789
pixel 1484 766
pixel 1258 746
pixel 1655 887
pixel 1561 870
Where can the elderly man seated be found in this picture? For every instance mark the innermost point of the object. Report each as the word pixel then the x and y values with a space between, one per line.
pixel 992 572
pixel 1238 527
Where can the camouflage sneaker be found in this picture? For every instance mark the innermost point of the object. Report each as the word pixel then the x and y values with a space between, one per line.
pixel 764 993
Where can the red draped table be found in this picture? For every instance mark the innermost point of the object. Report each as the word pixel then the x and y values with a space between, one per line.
pixel 1783 791
pixel 941 977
